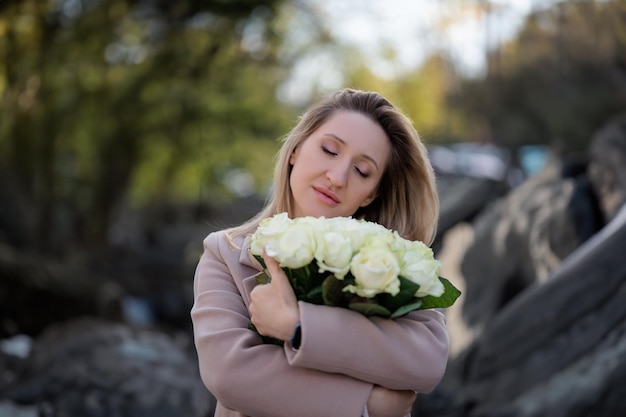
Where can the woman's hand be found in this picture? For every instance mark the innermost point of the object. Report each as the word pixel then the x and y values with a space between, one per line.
pixel 273 307
pixel 384 402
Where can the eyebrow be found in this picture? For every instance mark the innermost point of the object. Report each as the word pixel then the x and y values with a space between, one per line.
pixel 369 158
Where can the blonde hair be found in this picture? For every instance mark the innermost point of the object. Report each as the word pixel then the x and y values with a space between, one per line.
pixel 407 198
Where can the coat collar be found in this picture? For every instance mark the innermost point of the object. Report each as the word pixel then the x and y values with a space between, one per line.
pixel 246 258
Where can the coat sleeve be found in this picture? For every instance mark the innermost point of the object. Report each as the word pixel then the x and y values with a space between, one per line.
pixel 410 352
pixel 243 373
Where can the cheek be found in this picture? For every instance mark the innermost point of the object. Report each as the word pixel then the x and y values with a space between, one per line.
pixel 296 174
pixel 369 195
pixel 303 160
pixel 372 191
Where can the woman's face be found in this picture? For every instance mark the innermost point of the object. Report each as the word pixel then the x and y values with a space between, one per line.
pixel 338 167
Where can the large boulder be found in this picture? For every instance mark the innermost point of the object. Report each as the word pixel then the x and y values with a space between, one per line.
pixel 523 237
pixel 92 368
pixel 545 282
pixel 558 349
pixel 461 200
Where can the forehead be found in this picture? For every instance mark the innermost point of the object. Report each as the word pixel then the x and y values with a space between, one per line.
pixel 357 131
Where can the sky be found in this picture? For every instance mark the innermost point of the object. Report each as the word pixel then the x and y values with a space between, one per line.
pixel 412 29
pixel 409 25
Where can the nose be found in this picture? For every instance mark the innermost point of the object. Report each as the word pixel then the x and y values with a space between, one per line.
pixel 337 174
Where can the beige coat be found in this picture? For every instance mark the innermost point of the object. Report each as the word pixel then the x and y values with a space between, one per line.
pixel 341 356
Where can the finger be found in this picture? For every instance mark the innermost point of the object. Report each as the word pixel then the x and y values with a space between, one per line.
pixel 278 277
pixel 268 259
pixel 272 266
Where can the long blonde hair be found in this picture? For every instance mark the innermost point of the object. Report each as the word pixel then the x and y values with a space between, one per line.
pixel 407 196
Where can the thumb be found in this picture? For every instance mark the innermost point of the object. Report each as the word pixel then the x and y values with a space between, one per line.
pixel 273 268
pixel 278 279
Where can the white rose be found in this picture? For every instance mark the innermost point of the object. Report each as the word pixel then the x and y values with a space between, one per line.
pixel 375 271
pixel 295 248
pixel 314 222
pixel 372 228
pixel 436 288
pixel 399 245
pixel 419 266
pixel 269 229
pixel 333 253
pixel 351 228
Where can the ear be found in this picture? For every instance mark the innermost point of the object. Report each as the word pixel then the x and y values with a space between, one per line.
pixel 292 157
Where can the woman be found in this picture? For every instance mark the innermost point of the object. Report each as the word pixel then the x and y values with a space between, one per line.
pixel 352 154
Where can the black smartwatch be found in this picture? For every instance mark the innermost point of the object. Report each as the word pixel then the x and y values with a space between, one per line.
pixel 296 337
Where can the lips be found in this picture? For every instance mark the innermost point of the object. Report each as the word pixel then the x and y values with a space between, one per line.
pixel 326 195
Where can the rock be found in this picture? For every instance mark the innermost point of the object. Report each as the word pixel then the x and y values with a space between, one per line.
pixel 545 283
pixel 149 264
pixel 523 238
pixel 14 410
pixel 91 368
pixel 31 281
pixel 558 349
pixel 461 199
pixel 607 171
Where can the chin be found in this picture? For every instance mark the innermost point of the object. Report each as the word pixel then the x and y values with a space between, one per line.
pixel 318 213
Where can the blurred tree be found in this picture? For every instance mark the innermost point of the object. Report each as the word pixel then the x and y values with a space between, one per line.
pixel 422 94
pixel 560 79
pixel 108 103
pixel 105 102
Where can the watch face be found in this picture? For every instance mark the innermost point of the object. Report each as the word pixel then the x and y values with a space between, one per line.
pixel 295 338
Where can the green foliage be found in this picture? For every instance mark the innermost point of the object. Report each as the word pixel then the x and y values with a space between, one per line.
pixel 136 101
pixel 450 294
pixel 130 102
pixel 555 83
pixel 559 80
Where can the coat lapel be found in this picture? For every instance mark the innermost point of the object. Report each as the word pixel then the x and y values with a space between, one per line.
pixel 250 266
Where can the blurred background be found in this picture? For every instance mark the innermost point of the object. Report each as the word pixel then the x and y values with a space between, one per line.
pixel 130 129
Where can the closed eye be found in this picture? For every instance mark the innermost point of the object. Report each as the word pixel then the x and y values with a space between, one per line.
pixel 361 173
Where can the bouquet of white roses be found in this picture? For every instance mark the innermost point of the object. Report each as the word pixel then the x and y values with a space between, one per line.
pixel 354 264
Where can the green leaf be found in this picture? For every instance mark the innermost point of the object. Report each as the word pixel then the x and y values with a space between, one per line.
pixel 406 294
pixel 408 289
pixel 332 291
pixel 315 296
pixel 263 278
pixel 315 278
pixel 298 278
pixel 407 309
pixel 261 261
pixel 370 309
pixel 301 275
pixel 449 296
